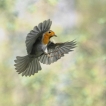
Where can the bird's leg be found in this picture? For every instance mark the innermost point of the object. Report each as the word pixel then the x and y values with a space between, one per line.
pixel 48 54
pixel 52 55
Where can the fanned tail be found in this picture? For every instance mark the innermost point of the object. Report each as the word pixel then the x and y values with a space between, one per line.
pixel 27 65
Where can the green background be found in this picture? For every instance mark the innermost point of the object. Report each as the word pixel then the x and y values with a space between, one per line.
pixel 79 78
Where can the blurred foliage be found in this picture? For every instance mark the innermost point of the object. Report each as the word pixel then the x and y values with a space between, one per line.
pixel 79 78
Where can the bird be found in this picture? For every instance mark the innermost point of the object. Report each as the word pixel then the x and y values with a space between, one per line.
pixel 40 49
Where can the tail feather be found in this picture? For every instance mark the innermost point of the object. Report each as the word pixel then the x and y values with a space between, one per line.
pixel 22 63
pixel 27 66
pixel 32 68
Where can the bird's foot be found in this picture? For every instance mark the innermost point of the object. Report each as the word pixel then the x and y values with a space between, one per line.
pixel 48 55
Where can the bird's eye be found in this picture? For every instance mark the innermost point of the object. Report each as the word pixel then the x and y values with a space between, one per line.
pixel 49 32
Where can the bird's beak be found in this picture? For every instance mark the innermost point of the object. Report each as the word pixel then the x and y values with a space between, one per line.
pixel 55 35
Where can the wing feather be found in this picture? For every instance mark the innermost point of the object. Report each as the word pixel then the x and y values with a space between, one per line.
pixel 57 50
pixel 35 33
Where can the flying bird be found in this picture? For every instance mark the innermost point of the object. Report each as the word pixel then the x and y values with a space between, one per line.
pixel 41 49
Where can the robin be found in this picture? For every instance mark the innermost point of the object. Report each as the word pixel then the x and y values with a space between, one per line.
pixel 40 48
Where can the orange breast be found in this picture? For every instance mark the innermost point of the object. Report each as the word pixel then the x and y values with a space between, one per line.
pixel 45 39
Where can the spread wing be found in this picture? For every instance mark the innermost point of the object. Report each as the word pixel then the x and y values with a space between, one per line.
pixel 35 33
pixel 56 51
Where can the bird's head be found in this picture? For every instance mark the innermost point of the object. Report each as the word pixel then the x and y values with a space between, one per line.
pixel 47 35
pixel 50 34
